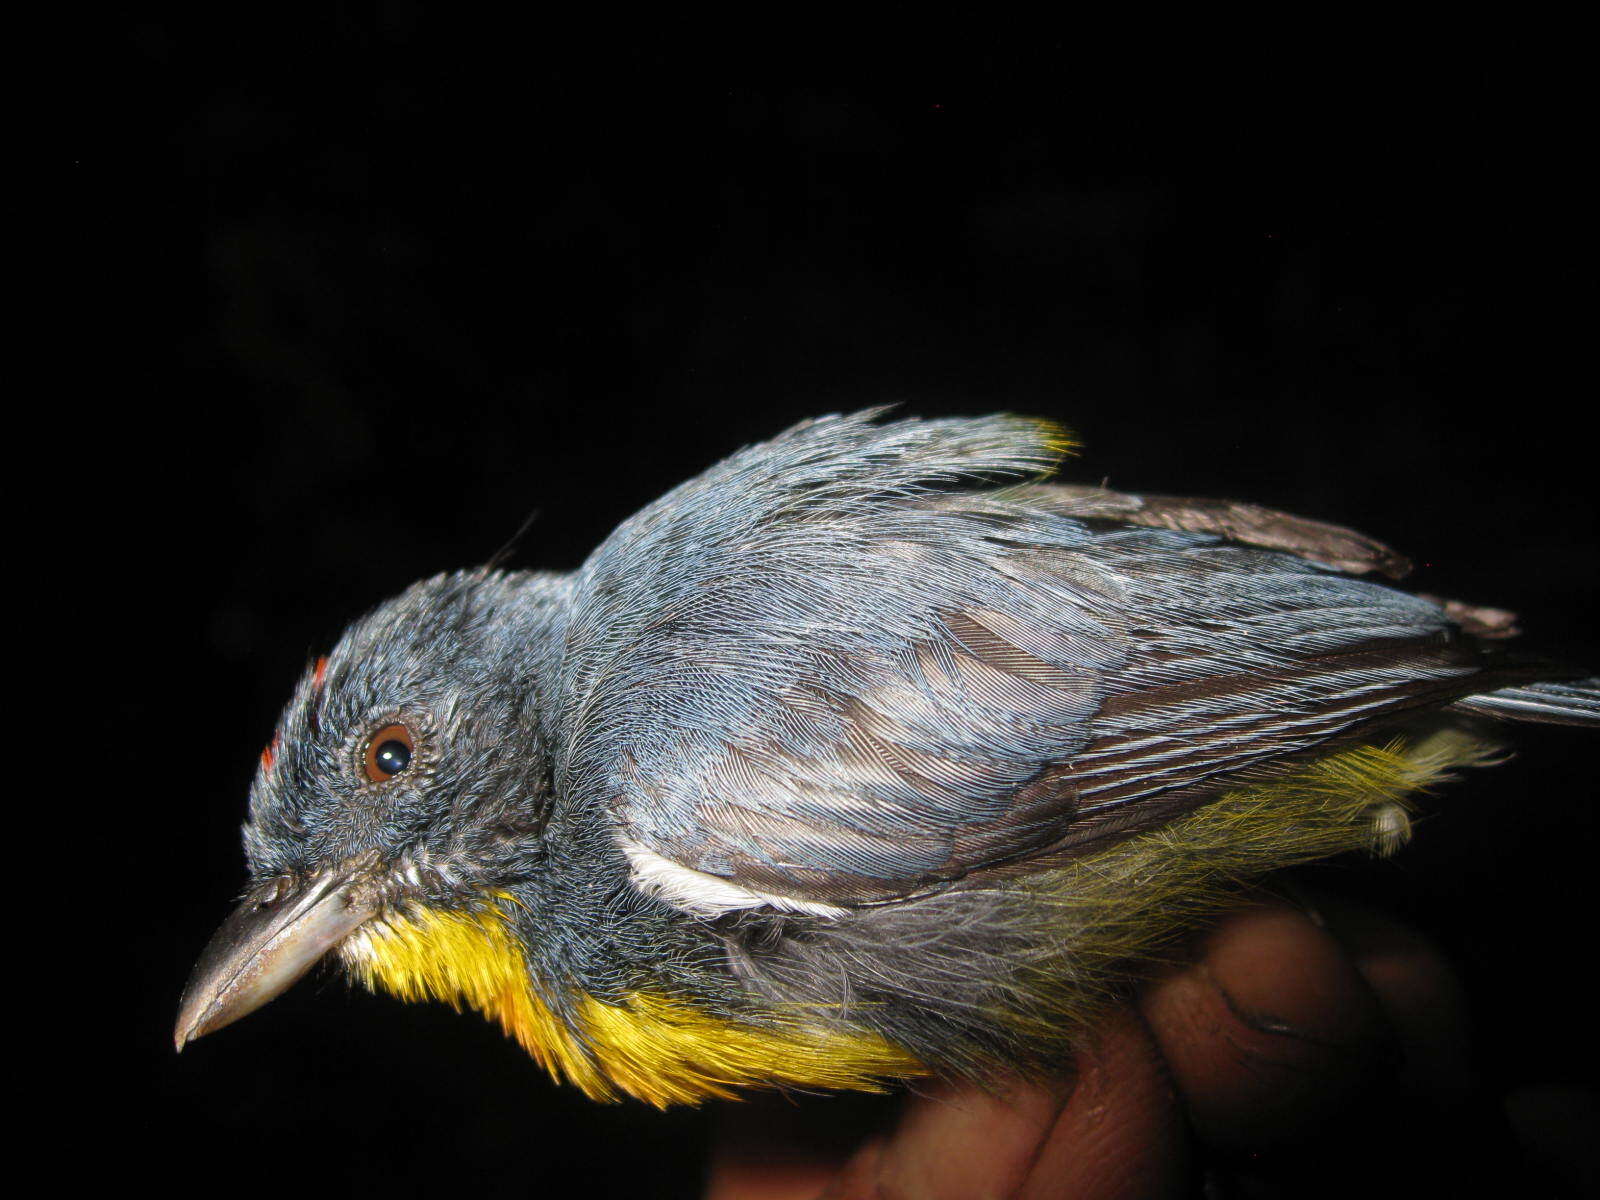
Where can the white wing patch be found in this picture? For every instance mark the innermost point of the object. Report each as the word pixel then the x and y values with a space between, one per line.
pixel 706 896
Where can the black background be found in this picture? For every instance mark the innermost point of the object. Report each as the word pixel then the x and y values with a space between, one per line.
pixel 360 293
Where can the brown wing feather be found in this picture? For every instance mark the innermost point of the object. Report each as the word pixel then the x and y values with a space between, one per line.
pixel 1239 522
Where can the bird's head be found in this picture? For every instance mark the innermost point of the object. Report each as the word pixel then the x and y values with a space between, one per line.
pixel 404 818
pixel 401 801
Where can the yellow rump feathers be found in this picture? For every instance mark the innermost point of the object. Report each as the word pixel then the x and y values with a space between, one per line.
pixel 1096 922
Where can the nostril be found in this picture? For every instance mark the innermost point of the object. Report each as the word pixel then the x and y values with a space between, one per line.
pixel 273 894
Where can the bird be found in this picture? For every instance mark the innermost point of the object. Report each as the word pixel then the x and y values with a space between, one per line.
pixel 869 754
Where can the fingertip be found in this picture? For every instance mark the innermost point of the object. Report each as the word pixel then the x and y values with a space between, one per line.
pixel 1269 1031
pixel 1420 994
pixel 1121 1134
pixel 775 1147
pixel 962 1140
pixel 1110 1128
pixel 859 1178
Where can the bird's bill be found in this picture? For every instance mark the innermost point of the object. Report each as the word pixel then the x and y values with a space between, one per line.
pixel 273 938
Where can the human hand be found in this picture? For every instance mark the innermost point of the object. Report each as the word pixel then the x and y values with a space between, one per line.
pixel 1295 1055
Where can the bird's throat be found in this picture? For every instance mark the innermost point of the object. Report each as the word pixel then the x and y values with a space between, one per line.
pixel 661 1050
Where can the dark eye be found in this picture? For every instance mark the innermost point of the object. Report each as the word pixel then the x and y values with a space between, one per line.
pixel 388 753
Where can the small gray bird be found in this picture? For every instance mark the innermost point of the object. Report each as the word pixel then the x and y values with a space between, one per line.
pixel 864 755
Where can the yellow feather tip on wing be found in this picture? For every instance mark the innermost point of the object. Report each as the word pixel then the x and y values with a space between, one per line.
pixel 1058 441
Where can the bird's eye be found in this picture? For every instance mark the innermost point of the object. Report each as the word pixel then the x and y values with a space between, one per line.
pixel 388 753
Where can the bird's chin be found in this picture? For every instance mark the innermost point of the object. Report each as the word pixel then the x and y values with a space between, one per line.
pixel 275 936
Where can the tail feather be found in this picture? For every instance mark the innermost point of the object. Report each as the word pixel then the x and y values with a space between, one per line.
pixel 1575 703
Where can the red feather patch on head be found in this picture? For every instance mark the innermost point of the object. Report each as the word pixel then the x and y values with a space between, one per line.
pixel 319 672
pixel 270 754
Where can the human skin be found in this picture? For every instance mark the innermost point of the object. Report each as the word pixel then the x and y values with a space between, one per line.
pixel 1300 1051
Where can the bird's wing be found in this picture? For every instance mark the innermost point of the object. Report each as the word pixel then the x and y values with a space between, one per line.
pixel 833 670
pixel 1246 524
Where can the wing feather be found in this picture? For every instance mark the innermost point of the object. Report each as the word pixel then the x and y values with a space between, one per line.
pixel 832 670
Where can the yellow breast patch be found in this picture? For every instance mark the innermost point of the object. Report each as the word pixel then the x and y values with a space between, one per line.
pixel 656 1049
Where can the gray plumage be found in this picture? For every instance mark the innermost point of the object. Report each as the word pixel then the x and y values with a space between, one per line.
pixel 829 669
pixel 873 682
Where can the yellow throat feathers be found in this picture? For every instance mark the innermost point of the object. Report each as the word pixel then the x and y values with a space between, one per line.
pixel 652 1048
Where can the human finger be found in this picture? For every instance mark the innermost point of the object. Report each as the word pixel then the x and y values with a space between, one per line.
pixel 1269 1031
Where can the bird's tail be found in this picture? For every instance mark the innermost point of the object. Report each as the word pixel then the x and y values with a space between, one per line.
pixel 1575 703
